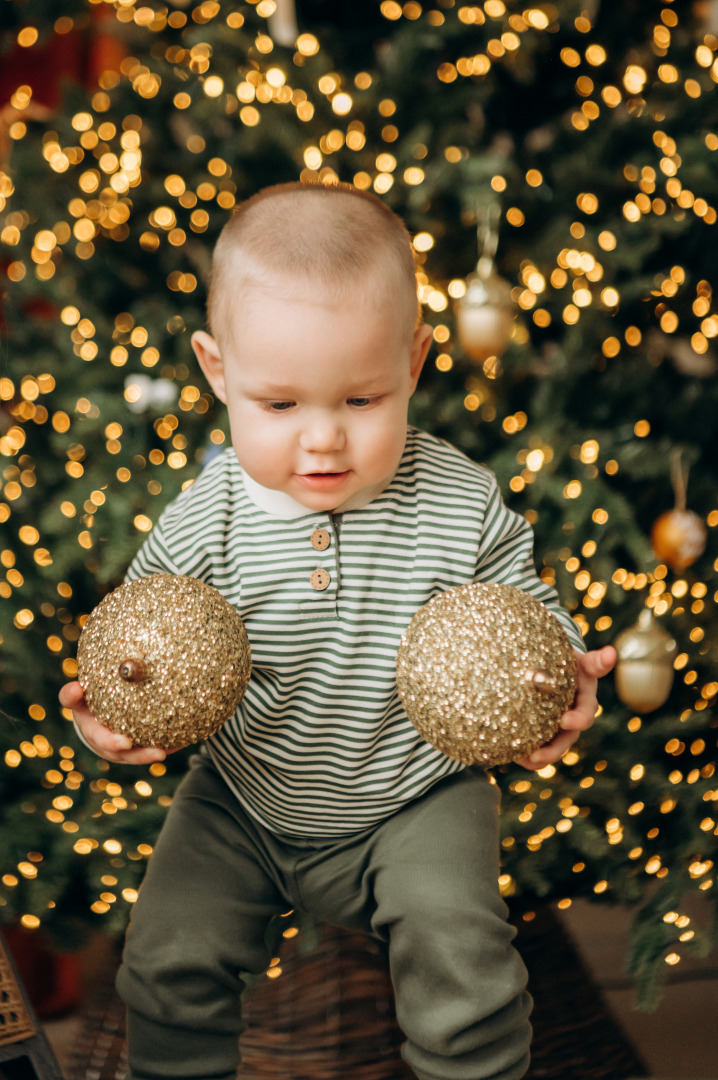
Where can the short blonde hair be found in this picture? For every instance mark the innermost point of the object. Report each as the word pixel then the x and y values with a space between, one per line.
pixel 334 234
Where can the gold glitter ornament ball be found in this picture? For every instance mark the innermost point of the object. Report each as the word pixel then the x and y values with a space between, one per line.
pixel 164 660
pixel 485 672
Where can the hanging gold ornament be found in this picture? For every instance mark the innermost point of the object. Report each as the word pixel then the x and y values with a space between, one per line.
pixel 164 660
pixel 679 536
pixel 485 313
pixel 283 23
pixel 485 673
pixel 644 672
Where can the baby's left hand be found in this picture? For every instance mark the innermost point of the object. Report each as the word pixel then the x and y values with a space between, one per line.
pixel 591 667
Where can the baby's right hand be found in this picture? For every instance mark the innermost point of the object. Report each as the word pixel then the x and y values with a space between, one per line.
pixel 105 743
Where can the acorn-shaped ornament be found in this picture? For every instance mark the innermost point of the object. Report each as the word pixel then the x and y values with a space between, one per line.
pixel 164 660
pixel 485 672
pixel 644 670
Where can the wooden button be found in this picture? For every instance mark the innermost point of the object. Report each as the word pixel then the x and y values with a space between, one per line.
pixel 320 539
pixel 319 580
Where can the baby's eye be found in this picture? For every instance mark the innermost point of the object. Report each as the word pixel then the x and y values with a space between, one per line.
pixel 278 406
pixel 361 402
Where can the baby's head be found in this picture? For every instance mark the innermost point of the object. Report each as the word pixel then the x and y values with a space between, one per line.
pixel 330 241
pixel 316 342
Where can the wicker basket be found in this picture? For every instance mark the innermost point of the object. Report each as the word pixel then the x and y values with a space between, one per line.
pixel 331 1011
pixel 15 1022
pixel 330 1015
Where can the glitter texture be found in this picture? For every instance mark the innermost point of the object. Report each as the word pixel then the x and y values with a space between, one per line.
pixel 485 672
pixel 165 660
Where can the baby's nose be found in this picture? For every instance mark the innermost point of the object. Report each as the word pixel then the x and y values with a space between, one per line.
pixel 324 434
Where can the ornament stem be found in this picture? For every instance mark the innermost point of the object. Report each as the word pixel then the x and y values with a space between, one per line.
pixel 679 478
pixel 283 23
pixel 487 235
pixel 543 680
pixel 133 669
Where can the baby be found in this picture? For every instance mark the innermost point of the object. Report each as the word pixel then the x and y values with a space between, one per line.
pixel 328 523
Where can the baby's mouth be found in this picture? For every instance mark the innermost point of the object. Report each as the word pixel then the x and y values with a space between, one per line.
pixel 322 480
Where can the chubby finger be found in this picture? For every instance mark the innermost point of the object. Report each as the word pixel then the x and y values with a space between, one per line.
pixel 553 751
pixel 597 663
pixel 591 667
pixel 71 695
pixel 580 717
pixel 105 741
pixel 113 746
pixel 138 755
pixel 583 711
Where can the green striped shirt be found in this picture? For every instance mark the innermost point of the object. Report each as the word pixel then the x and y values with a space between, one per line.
pixel 320 745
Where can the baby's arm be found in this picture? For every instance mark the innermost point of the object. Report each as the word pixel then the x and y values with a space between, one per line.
pixel 105 743
pixel 591 667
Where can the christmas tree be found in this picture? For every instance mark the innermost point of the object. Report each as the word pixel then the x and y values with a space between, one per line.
pixel 566 153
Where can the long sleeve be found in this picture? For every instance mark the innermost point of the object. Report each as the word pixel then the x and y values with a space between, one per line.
pixel 506 557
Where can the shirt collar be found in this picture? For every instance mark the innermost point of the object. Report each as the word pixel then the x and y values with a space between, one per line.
pixel 280 505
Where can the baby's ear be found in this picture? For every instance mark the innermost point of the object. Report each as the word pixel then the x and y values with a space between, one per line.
pixel 419 349
pixel 210 360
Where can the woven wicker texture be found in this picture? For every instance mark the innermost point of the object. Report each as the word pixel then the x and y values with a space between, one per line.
pixel 330 1015
pixel 15 1023
pixel 332 1005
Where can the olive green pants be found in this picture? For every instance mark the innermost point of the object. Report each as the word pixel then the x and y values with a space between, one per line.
pixel 424 882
